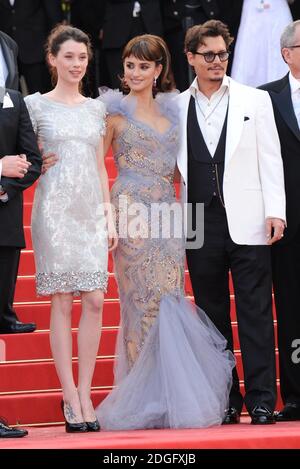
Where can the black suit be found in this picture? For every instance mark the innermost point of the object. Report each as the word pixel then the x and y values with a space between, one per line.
pixel 16 136
pixel 295 10
pixel 286 253
pixel 28 22
pixel 120 26
pixel 10 53
pixel 177 18
pixel 88 15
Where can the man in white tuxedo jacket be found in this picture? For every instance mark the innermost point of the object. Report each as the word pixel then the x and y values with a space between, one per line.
pixel 230 161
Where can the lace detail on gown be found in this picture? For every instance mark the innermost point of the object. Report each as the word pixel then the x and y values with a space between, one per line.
pixel 171 359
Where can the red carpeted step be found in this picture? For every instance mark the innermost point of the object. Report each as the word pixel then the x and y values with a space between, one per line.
pixel 40 313
pixel 28 239
pixel 41 375
pixel 44 407
pixel 36 346
pixel 38 407
pixel 27 266
pixel 23 377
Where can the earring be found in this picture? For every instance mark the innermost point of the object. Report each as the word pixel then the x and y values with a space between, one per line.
pixel 154 82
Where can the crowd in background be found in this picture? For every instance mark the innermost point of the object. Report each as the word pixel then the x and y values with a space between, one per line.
pixel 111 23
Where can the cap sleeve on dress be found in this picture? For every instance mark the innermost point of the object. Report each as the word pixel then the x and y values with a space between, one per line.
pixel 116 102
pixel 31 104
pixel 101 111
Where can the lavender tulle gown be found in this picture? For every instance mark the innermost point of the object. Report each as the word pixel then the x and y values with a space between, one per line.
pixel 172 370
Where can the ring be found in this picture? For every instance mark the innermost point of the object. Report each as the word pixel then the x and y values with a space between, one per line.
pixel 282 235
pixel 24 171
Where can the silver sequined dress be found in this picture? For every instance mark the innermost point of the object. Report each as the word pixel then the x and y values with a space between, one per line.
pixel 172 368
pixel 68 222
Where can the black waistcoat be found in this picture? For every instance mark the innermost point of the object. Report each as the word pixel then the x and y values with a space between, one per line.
pixel 204 172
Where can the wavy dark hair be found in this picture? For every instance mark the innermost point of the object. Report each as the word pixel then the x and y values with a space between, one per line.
pixel 60 34
pixel 152 49
pixel 195 36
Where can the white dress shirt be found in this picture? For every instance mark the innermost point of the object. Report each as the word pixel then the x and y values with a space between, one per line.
pixel 3 69
pixel 211 112
pixel 295 94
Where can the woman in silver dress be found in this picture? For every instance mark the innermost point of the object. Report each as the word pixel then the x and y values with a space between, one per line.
pixel 71 231
pixel 173 369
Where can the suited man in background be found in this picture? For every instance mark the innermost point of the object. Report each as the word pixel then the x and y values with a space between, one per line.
pixel 88 15
pixel 285 96
pixel 230 161
pixel 179 15
pixel 28 22
pixel 20 166
pixel 9 76
pixel 295 9
pixel 125 19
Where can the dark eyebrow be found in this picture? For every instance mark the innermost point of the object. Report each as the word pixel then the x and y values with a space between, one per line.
pixel 142 63
pixel 211 52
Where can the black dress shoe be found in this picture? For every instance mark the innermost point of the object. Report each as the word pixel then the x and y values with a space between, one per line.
pixel 231 416
pixel 289 413
pixel 93 426
pixel 11 432
pixel 80 427
pixel 261 415
pixel 18 327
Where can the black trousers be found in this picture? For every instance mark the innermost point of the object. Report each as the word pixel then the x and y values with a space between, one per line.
pixel 286 281
pixel 250 268
pixel 9 264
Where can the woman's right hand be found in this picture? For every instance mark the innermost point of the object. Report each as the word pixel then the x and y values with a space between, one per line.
pixel 112 236
pixel 49 159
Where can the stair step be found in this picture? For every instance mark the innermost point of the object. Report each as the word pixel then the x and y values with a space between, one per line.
pixel 36 345
pixel 40 313
pixel 27 265
pixel 41 376
pixel 44 408
pixel 39 408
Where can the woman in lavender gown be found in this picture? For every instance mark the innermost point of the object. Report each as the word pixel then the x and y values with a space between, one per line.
pixel 172 370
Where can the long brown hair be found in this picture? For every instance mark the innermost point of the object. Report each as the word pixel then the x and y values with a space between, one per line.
pixel 60 34
pixel 152 49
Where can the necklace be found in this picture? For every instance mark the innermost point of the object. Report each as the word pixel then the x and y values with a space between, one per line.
pixel 213 109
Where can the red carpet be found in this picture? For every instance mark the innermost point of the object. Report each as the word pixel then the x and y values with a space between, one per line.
pixel 242 436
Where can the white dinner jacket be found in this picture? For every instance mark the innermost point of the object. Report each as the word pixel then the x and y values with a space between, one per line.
pixel 253 183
